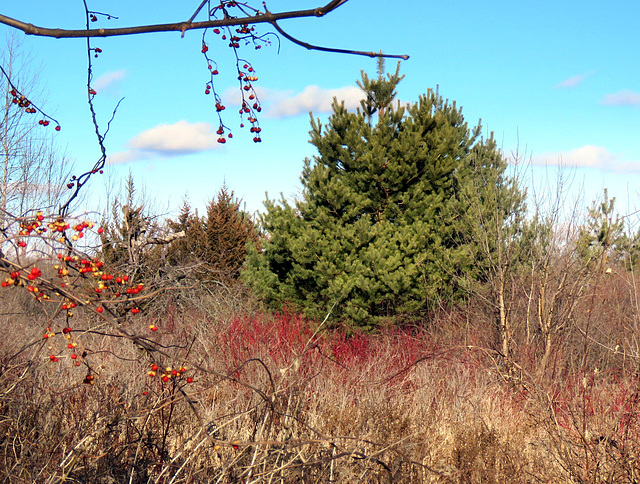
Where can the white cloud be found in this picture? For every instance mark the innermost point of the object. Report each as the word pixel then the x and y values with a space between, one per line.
pixel 573 81
pixel 167 140
pixel 314 98
pixel 108 80
pixel 622 98
pixel 176 139
pixel 589 156
pixel 128 156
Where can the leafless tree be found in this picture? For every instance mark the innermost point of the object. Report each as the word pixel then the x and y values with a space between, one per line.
pixel 32 171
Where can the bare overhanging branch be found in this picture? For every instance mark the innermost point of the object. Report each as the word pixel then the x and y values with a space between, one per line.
pixel 182 27
pixel 266 17
pixel 31 29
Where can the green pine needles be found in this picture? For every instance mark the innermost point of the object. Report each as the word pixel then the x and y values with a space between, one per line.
pixel 382 228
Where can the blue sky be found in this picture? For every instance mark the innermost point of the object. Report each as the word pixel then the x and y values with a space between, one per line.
pixel 558 81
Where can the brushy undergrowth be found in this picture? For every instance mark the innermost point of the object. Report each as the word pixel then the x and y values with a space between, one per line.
pixel 277 398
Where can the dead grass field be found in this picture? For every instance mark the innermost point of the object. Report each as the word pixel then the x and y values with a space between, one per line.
pixel 276 398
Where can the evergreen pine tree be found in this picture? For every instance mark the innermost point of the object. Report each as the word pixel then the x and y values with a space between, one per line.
pixel 603 239
pixel 381 227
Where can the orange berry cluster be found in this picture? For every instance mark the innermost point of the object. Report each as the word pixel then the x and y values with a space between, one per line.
pixel 234 42
pixel 168 373
pixel 71 345
pixel 34 274
pixel 68 305
pixel 21 101
pixel 250 104
pixel 71 264
pixel 14 279
pixel 58 226
pixel 27 227
pixel 105 283
pixel 84 281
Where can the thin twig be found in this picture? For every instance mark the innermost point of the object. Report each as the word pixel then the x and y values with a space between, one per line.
pixel 335 50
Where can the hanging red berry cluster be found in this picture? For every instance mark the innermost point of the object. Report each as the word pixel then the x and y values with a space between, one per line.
pixel 93 17
pixel 237 36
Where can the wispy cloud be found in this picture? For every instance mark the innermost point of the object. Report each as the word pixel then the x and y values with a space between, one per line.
pixel 622 98
pixel 168 140
pixel 589 156
pixel 282 104
pixel 316 99
pixel 573 81
pixel 127 156
pixel 109 81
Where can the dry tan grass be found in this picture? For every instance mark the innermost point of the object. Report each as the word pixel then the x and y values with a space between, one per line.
pixel 275 401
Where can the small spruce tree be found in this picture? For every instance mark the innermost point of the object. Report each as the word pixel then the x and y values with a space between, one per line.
pixel 227 231
pixel 127 231
pixel 188 249
pixel 216 244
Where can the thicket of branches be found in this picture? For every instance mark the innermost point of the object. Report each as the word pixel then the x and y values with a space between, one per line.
pixel 134 353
